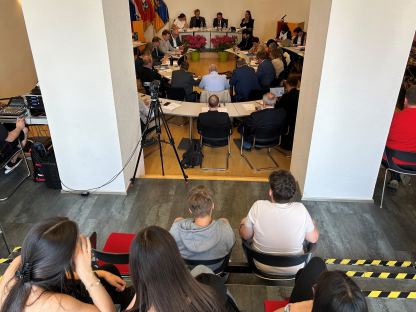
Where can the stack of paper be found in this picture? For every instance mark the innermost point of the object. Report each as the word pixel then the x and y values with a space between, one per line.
pixel 171 106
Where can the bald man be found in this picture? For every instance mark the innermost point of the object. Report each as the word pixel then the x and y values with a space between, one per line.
pixel 213 82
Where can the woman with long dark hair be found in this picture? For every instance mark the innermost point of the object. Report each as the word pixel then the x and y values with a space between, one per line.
pixel 248 22
pixel 53 255
pixel 163 283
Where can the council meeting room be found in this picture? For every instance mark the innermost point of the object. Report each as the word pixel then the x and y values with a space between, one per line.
pixel 207 156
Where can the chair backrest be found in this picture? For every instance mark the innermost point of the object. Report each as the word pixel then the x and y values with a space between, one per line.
pixel 268 135
pixel 177 94
pixel 224 96
pixel 409 157
pixel 224 262
pixel 274 260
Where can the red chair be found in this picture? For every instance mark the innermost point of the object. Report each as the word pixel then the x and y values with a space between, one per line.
pixel 116 251
pixel 273 305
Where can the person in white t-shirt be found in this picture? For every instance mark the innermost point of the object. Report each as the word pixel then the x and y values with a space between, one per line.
pixel 279 226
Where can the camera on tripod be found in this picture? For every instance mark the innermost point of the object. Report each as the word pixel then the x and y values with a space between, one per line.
pixel 154 89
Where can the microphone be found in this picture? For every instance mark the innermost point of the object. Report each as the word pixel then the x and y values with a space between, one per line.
pixel 283 18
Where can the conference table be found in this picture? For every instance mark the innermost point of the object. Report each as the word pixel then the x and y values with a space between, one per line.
pixel 210 33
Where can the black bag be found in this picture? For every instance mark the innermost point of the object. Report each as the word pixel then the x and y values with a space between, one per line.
pixel 39 153
pixel 193 156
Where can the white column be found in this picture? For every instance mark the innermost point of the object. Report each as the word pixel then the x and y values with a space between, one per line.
pixel 83 56
pixel 354 64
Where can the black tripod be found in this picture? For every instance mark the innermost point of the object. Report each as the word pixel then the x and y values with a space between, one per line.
pixel 156 113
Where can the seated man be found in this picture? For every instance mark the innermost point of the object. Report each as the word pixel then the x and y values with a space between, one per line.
pixel 300 37
pixel 244 80
pixel 197 21
pixel 246 42
pixel 157 53
pixel 289 102
pixel 181 78
pixel 220 22
pixel 175 40
pixel 165 45
pixel 9 141
pixel 201 237
pixel 265 72
pixel 279 226
pixel 146 73
pixel 213 82
pixel 402 135
pixel 267 115
pixel 213 121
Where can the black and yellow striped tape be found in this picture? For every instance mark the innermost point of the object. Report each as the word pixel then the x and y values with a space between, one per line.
pixel 386 263
pixel 382 275
pixel 8 260
pixel 390 294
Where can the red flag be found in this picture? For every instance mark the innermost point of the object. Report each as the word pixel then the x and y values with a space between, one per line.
pixel 146 11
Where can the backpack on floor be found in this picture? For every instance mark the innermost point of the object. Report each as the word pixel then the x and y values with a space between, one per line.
pixel 39 152
pixel 193 156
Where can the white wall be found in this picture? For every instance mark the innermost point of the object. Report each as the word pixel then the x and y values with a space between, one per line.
pixel 83 56
pixel 17 70
pixel 265 12
pixel 363 66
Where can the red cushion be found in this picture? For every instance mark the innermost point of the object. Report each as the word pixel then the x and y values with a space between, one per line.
pixel 119 243
pixel 273 305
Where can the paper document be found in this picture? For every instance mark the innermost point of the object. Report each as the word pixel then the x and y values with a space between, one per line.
pixel 171 106
pixel 249 107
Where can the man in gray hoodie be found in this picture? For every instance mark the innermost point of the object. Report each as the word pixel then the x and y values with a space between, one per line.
pixel 201 237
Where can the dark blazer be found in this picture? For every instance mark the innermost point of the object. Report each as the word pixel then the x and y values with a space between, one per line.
pixel 295 39
pixel 249 25
pixel 263 118
pixel 197 23
pixel 266 73
pixel 214 124
pixel 178 41
pixel 244 80
pixel 245 44
pixel 183 79
pixel 157 55
pixel 147 75
pixel 224 23
pixel 289 102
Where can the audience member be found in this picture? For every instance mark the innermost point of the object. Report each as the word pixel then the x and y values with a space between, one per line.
pixel 9 142
pixel 300 37
pixel 181 78
pixel 266 116
pixel 163 283
pixel 317 289
pixel 157 53
pixel 279 226
pixel 147 74
pixel 244 80
pixel 284 33
pixel 220 22
pixel 255 47
pixel 246 41
pixel 248 22
pixel 175 40
pixel 213 82
pixel 201 237
pixel 197 21
pixel 165 45
pixel 402 135
pixel 289 102
pixel 265 72
pixel 180 22
pixel 278 60
pixel 54 273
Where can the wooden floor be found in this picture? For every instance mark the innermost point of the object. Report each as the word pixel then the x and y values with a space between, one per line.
pixel 238 167
pixel 348 230
pixel 200 68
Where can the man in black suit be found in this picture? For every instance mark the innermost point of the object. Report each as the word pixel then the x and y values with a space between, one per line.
pixel 265 116
pixel 175 40
pixel 197 20
pixel 289 102
pixel 220 22
pixel 146 73
pixel 244 80
pixel 214 124
pixel 181 78
pixel 300 37
pixel 246 41
pixel 157 53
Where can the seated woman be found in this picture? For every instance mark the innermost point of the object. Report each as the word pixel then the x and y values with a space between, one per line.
pixel 319 290
pixel 278 60
pixel 54 258
pixel 163 283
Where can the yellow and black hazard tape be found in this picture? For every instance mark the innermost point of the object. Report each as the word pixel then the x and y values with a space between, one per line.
pixel 9 260
pixel 389 294
pixel 382 275
pixel 385 263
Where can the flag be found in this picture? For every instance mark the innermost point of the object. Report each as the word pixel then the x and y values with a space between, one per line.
pixel 146 11
pixel 161 14
pixel 133 10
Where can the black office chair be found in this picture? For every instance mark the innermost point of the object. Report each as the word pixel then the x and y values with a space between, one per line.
pixel 401 169
pixel 222 268
pixel 275 260
pixel 263 137
pixel 216 137
pixel 6 154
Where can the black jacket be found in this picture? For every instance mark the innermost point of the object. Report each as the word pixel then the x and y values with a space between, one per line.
pixel 264 118
pixel 183 79
pixel 178 41
pixel 194 22
pixel 245 44
pixel 224 23
pixel 214 124
pixel 289 102
pixel 249 25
